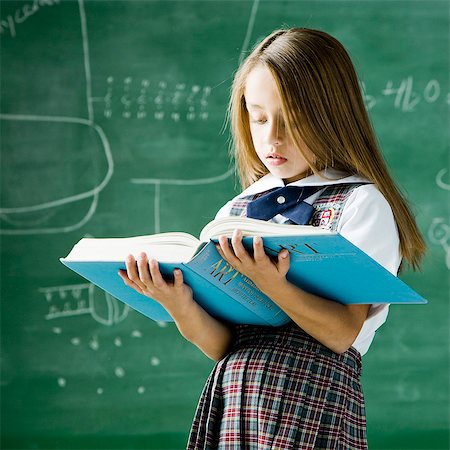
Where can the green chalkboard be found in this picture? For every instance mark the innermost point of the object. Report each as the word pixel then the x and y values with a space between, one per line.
pixel 113 124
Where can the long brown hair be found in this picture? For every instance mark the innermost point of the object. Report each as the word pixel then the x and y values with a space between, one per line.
pixel 323 109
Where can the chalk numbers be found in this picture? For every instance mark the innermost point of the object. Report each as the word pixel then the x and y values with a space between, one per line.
pixel 145 99
pixel 406 95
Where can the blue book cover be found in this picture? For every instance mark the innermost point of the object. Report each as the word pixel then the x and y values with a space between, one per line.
pixel 325 264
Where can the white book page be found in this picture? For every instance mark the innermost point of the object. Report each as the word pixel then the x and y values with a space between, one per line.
pixel 252 227
pixel 165 247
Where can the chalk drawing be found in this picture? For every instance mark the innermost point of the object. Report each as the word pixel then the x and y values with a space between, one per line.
pixel 48 209
pixel 440 180
pixel 439 234
pixel 79 299
pixel 439 229
pixel 76 341
pixel 119 372
pixel 93 343
pixel 154 361
pixel 16 217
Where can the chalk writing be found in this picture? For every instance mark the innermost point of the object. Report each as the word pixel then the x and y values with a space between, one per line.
pixel 406 97
pixel 154 100
pixel 22 14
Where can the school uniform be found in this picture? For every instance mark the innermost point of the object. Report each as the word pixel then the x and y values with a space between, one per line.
pixel 278 387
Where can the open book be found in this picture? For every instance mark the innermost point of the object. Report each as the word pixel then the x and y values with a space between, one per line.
pixel 322 262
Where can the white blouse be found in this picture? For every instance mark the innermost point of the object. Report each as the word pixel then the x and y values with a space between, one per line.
pixel 366 221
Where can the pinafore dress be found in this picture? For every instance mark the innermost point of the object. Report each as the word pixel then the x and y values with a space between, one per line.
pixel 278 387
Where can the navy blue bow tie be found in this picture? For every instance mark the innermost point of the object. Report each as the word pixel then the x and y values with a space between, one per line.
pixel 287 201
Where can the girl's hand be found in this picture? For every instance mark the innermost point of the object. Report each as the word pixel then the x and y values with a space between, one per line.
pixel 195 324
pixel 266 273
pixel 145 277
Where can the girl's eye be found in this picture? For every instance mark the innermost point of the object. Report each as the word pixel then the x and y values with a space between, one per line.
pixel 259 120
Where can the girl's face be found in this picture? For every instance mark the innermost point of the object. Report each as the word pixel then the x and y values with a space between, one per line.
pixel 271 141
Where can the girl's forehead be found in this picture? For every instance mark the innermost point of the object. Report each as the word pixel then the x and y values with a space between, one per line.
pixel 261 89
pixel 259 74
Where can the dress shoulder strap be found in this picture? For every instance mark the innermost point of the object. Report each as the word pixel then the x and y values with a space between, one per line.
pixel 330 204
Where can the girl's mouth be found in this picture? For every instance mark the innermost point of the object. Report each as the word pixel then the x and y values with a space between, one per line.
pixel 274 159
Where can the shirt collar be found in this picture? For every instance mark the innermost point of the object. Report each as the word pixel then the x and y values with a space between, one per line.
pixel 269 181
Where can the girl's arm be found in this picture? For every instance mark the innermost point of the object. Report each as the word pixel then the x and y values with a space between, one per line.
pixel 333 324
pixel 211 336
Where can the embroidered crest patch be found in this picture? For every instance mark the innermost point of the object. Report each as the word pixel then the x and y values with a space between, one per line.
pixel 323 217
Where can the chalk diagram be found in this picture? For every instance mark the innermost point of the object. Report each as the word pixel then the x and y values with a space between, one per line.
pixel 85 299
pixel 45 204
pixel 78 299
pixel 439 229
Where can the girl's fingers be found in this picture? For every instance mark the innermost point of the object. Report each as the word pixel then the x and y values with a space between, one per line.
pixel 157 279
pixel 177 278
pixel 132 271
pixel 258 249
pixel 143 270
pixel 238 247
pixel 283 262
pixel 228 254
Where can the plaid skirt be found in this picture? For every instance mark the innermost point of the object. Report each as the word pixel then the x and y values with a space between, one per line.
pixel 281 389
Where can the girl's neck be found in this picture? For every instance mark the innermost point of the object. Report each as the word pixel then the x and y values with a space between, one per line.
pixel 299 177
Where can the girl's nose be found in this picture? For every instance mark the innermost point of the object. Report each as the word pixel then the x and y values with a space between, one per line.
pixel 275 133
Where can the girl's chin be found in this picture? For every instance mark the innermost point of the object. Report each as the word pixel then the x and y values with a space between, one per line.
pixel 286 176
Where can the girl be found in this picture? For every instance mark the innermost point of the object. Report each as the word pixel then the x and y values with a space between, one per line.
pixel 299 126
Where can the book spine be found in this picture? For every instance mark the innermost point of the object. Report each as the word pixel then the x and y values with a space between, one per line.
pixel 212 267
